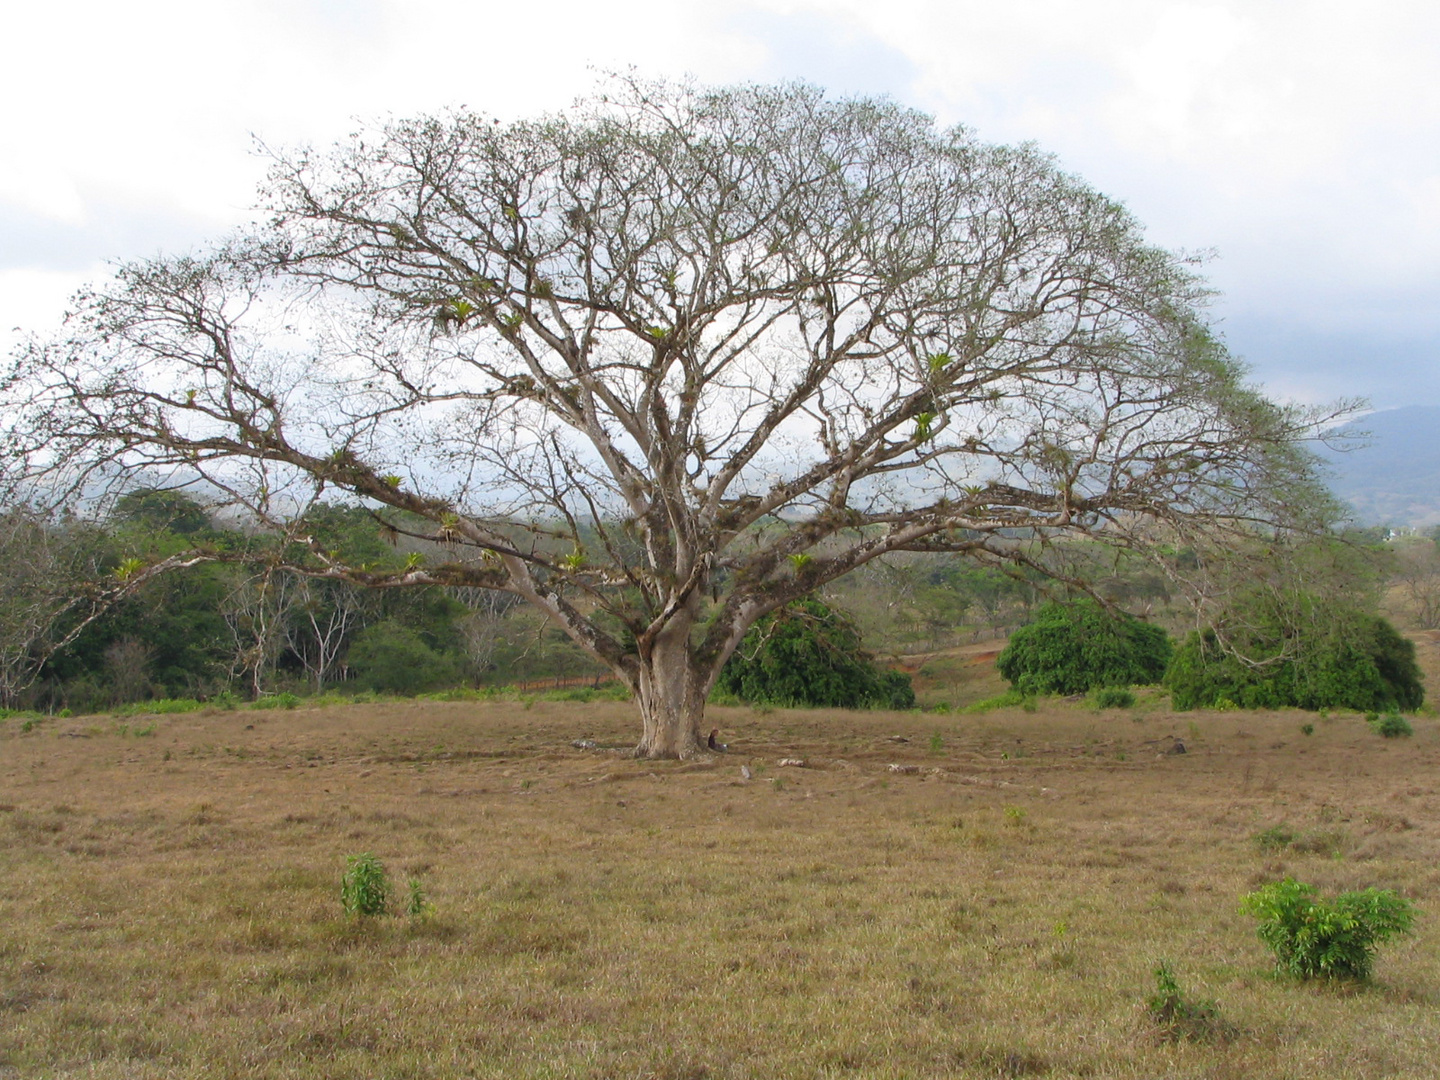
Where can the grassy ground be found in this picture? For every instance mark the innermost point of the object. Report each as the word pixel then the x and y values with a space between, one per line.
pixel 995 907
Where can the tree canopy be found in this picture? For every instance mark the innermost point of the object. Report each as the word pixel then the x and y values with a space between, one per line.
pixel 668 361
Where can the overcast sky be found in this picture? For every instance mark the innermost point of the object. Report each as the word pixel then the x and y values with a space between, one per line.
pixel 1299 140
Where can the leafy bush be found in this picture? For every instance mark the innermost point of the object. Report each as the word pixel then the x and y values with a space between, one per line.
pixel 391 656
pixel 1303 653
pixel 1314 937
pixel 1112 697
pixel 1276 837
pixel 807 654
pixel 365 888
pixel 1074 647
pixel 1315 842
pixel 1392 726
pixel 1178 1016
pixel 417 905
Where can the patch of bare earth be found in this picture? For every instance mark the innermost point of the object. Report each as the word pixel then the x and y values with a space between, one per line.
pixel 991 903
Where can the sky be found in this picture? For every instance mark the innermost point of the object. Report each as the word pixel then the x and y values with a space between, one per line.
pixel 1296 142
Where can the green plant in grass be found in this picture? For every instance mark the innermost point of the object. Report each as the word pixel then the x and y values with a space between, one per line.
pixel 1275 838
pixel 1392 726
pixel 1179 1016
pixel 1112 697
pixel 1009 699
pixel 417 905
pixel 365 888
pixel 1314 937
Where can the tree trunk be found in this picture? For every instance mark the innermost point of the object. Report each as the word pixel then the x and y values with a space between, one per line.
pixel 671 695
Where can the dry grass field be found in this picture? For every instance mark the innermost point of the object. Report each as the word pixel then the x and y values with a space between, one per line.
pixel 993 906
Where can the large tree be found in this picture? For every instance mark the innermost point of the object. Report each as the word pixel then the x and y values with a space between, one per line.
pixel 669 360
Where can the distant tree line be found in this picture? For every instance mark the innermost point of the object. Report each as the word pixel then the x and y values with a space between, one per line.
pixel 235 624
pixel 1311 636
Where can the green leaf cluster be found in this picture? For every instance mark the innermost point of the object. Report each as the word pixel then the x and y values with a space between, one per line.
pixel 808 654
pixel 1392 726
pixel 1077 646
pixel 1313 937
pixel 1179 1016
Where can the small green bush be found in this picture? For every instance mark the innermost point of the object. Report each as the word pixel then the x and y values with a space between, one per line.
pixel 1392 726
pixel 1312 937
pixel 1075 647
pixel 1275 838
pixel 365 888
pixel 1112 697
pixel 417 905
pixel 390 656
pixel 1314 656
pixel 809 655
pixel 1180 1017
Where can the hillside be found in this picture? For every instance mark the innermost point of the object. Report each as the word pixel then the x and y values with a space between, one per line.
pixel 1395 478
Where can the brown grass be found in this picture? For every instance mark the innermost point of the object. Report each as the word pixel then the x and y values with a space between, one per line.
pixel 169 904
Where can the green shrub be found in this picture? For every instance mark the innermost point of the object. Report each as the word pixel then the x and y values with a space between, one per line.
pixel 1275 837
pixel 1112 697
pixel 807 654
pixel 417 905
pixel 1178 1016
pixel 1306 655
pixel 1078 646
pixel 365 888
pixel 1337 938
pixel 1392 726
pixel 391 656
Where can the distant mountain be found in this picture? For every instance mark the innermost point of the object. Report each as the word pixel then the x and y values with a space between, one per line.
pixel 1395 478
